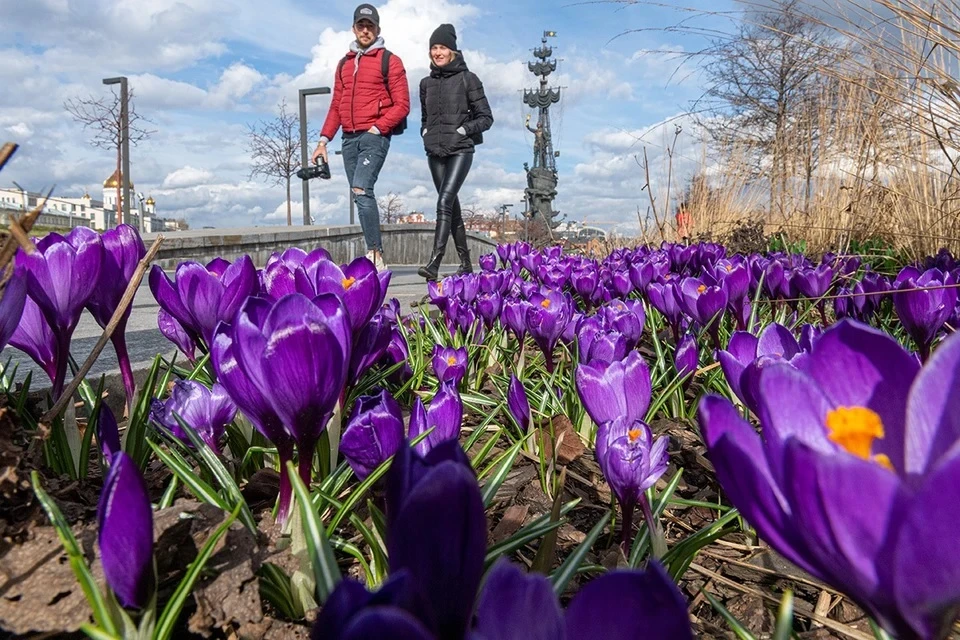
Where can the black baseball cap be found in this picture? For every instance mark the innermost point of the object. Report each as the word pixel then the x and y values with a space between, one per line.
pixel 366 12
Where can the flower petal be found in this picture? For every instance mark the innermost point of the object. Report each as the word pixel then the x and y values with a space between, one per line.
pixel 933 413
pixel 625 605
pixel 856 365
pixel 514 604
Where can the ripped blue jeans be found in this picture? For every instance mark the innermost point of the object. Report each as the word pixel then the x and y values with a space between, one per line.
pixel 363 157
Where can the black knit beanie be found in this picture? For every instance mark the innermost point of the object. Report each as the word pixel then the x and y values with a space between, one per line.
pixel 446 35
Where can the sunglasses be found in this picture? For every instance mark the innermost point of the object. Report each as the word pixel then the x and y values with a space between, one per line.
pixel 365 26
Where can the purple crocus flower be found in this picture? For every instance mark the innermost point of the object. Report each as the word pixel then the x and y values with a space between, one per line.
pixel 632 462
pixel 746 355
pixel 620 605
pixel 357 284
pixel 514 316
pixel 449 364
pixel 207 411
pixel 518 404
pixel 595 342
pixel 489 305
pixel 611 390
pixel 122 251
pixel 585 279
pixel 369 345
pixel 488 262
pixel 445 417
pixel 61 275
pixel 435 572
pixel 687 357
pixel 285 365
pixel 35 338
pixel 108 432
pixel 11 306
pixel 705 304
pixel 373 433
pixel 200 297
pixel 547 318
pixel 921 310
pixel 126 533
pixel 856 478
pixel 175 332
pixel 663 297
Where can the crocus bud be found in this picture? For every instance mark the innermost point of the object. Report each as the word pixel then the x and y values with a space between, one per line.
pixel 686 357
pixel 518 404
pixel 373 433
pixel 126 533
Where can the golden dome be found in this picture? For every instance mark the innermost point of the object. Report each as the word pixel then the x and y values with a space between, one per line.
pixel 112 181
pixel 150 201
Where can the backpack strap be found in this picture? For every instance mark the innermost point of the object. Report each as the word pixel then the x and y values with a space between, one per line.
pixel 385 70
pixel 340 64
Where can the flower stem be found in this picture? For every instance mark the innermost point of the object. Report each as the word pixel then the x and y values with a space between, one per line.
pixel 285 452
pixel 626 527
pixel 658 545
pixel 119 340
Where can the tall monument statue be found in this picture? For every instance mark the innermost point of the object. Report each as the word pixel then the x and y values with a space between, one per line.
pixel 542 176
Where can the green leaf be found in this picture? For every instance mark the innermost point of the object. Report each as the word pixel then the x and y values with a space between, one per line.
pixel 96 633
pixel 784 617
pixel 101 612
pixel 491 486
pixel 136 433
pixel 203 491
pixel 325 568
pixel 169 494
pixel 168 619
pixel 93 410
pixel 206 456
pixel 565 571
pixel 275 588
pixel 679 557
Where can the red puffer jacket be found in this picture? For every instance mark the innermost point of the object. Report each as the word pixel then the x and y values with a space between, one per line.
pixel 360 97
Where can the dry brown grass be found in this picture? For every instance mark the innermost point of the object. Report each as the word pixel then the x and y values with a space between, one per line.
pixel 884 161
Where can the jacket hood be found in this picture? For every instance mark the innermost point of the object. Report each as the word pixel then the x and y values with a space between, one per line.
pixel 377 44
pixel 455 66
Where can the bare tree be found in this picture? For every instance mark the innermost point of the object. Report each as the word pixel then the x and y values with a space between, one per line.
pixel 274 147
pixel 391 207
pixel 765 85
pixel 102 116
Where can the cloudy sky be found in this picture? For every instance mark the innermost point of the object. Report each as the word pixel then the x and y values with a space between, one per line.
pixel 204 70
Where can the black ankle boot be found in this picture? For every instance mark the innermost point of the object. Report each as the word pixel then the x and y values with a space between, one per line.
pixel 463 250
pixel 431 270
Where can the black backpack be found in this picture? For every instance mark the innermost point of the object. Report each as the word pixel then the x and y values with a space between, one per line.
pixel 385 70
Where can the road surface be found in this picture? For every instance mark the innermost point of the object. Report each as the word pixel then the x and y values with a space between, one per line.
pixel 144 340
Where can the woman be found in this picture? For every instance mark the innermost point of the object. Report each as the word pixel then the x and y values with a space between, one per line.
pixel 454 113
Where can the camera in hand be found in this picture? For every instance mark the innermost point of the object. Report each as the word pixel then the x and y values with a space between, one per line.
pixel 320 170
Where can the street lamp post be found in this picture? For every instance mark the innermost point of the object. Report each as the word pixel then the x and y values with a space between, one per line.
pixel 503 220
pixel 349 196
pixel 124 144
pixel 303 144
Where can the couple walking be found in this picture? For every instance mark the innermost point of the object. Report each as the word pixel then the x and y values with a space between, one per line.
pixel 371 101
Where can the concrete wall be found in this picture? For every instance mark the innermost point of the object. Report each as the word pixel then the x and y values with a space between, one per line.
pixel 403 244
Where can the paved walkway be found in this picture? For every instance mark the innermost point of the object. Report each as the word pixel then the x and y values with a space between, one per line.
pixel 144 340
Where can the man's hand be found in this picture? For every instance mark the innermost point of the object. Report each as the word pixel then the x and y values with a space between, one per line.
pixel 320 152
pixel 374 130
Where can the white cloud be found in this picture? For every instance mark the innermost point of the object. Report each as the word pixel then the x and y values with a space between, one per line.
pixel 187 177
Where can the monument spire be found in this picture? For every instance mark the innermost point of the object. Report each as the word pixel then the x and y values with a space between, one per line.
pixel 542 176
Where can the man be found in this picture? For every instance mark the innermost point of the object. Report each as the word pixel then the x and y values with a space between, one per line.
pixel 370 106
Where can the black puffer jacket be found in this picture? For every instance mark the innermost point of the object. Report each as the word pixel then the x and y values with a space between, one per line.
pixel 452 97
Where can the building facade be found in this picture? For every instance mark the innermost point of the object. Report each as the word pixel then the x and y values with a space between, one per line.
pixel 85 211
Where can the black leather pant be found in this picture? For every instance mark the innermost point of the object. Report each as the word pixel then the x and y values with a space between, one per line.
pixel 448 175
